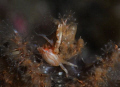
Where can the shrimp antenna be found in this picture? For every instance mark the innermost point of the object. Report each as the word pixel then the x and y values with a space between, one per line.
pixel 45 37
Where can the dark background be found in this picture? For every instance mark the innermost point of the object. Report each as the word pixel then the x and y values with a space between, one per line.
pixel 98 21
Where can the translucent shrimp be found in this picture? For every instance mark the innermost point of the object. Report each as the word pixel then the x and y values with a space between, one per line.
pixel 53 58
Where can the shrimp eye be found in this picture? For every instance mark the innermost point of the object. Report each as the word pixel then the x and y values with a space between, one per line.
pixel 46 51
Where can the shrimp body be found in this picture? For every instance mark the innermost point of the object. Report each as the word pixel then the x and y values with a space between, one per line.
pixel 52 54
pixel 49 56
pixel 53 59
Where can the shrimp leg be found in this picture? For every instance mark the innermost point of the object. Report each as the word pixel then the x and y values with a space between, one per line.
pixel 61 65
pixel 68 63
